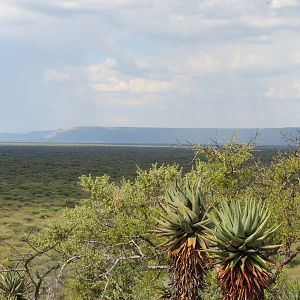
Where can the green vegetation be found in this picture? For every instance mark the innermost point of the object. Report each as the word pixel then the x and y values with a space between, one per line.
pixel 184 221
pixel 12 287
pixel 240 238
pixel 37 182
pixel 103 246
pixel 33 173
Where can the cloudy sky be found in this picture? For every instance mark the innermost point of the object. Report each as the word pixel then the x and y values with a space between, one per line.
pixel 161 63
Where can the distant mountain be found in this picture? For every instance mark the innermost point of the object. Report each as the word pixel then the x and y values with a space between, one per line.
pixel 144 135
pixel 30 136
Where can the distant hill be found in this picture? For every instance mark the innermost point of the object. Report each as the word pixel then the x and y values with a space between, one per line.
pixel 144 135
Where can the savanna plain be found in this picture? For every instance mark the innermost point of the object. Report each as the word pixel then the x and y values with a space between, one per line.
pixel 38 181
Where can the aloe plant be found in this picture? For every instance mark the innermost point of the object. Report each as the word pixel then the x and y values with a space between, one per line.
pixel 239 239
pixel 12 286
pixel 182 221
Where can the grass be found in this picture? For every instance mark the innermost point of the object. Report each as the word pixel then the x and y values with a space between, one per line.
pixel 293 269
pixel 18 222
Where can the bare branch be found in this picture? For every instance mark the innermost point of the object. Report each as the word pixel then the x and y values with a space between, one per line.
pixel 12 270
pixel 66 263
pixel 157 267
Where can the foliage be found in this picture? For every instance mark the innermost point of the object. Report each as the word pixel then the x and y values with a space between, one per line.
pixel 112 231
pixel 184 217
pixel 37 172
pixel 38 181
pixel 183 222
pixel 283 289
pixel 279 186
pixel 240 240
pixel 211 290
pixel 117 256
pixel 226 170
pixel 12 286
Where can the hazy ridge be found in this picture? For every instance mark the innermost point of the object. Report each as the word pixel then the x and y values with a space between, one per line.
pixel 145 135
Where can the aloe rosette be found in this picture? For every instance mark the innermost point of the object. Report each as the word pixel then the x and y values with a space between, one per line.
pixel 183 221
pixel 239 242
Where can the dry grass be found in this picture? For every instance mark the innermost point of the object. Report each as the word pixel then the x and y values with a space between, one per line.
pixel 18 221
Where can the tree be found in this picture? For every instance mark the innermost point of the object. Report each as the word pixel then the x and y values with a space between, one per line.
pixel 118 254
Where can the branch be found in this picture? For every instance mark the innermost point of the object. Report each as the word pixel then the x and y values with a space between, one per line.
pixel 139 256
pixel 66 263
pixel 156 267
pixel 12 270
pixel 140 253
pixel 41 278
pixel 284 262
pixel 26 260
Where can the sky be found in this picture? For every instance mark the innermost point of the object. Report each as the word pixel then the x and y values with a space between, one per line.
pixel 149 63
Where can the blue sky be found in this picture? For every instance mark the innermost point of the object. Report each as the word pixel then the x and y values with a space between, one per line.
pixel 161 63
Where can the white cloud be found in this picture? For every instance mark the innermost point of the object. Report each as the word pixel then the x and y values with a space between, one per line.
pixel 135 85
pixel 296 88
pixel 276 92
pixel 102 72
pixel 127 102
pixel 284 3
pixel 115 120
pixel 285 88
pixel 108 78
pixel 228 5
pixel 13 13
pixel 111 63
pixel 141 64
pixel 141 85
pixel 294 57
pixel 97 4
pixel 245 6
pixel 134 102
pixel 203 64
pixel 267 21
pixel 246 61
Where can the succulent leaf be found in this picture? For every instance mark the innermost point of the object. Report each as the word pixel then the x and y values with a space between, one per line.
pixel 184 213
pixel 240 241
pixel 185 221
